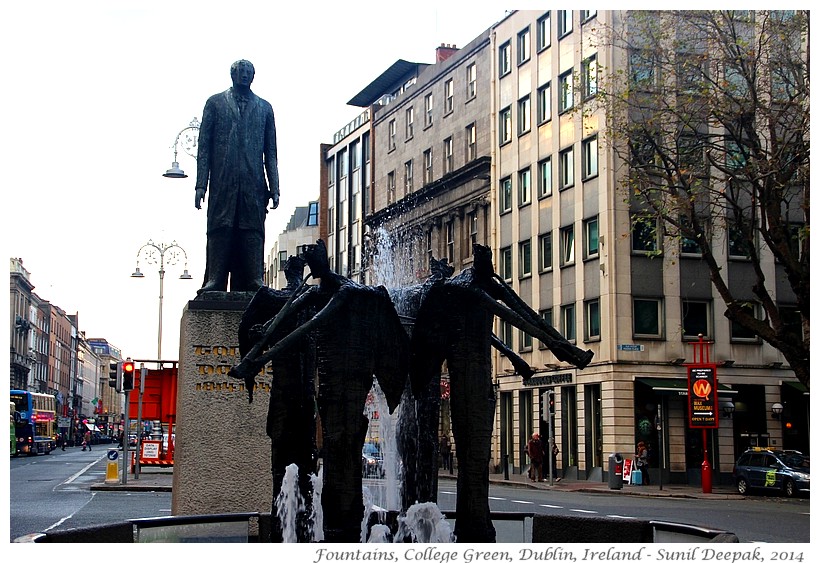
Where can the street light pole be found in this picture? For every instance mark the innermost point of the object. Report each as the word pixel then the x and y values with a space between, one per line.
pixel 189 137
pixel 155 254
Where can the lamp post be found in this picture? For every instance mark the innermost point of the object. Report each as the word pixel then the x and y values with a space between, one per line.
pixel 190 138
pixel 155 254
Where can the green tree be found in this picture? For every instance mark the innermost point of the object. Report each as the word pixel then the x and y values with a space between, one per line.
pixel 709 113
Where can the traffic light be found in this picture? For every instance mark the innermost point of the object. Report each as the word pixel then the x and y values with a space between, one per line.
pixel 113 369
pixel 547 404
pixel 551 401
pixel 127 375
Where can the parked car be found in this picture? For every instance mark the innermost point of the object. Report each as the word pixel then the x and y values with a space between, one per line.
pixel 772 470
pixel 372 461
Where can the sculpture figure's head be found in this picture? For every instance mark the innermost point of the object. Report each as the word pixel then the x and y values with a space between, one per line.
pixel 242 73
pixel 316 257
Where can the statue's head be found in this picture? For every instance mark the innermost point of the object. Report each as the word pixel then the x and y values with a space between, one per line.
pixel 242 73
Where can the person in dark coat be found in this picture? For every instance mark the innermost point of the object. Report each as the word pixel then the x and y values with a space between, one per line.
pixel 237 150
pixel 535 449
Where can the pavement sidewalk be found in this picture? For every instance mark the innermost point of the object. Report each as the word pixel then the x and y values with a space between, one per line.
pixel 161 479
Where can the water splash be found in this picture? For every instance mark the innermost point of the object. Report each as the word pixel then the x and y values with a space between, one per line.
pixel 424 523
pixel 380 533
pixel 318 524
pixel 289 503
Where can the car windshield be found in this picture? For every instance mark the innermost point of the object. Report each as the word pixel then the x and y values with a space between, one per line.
pixel 795 461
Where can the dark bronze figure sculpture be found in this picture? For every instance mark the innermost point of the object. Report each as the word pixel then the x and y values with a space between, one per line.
pixel 291 422
pixel 455 324
pixel 237 149
pixel 358 335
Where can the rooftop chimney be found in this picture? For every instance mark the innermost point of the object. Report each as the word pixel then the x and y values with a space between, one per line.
pixel 444 52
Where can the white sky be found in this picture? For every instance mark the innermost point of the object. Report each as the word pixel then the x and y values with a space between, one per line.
pixel 96 92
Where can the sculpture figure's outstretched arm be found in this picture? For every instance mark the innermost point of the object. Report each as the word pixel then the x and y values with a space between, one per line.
pixel 521 367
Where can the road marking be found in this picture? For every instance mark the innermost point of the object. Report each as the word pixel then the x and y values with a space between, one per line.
pixel 621 517
pixel 522 502
pixel 496 498
pixel 551 506
pixel 583 511
pixel 447 492
pixel 80 472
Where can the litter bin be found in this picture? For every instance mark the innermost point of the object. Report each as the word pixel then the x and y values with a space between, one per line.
pixel 616 471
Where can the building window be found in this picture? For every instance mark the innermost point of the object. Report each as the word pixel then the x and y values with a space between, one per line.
pixel 565 91
pixel 391 187
pixel 428 166
pixel 408 176
pixel 587 15
pixel 523 45
pixel 505 126
pixel 545 252
pixel 564 23
pixel 313 214
pixel 566 169
pixel 471 81
pixel 428 110
pixel 740 332
pixel 525 259
pixel 429 246
pixel 690 74
pixel 409 123
pixel 507 334
pixel 642 69
pixel 505 194
pixel 545 177
pixel 688 245
pixel 592 320
pixel 451 243
pixel 524 187
pixel 448 155
pixel 646 317
pixel 738 242
pixel 471 150
pixel 568 321
pixel 542 35
pixel 589 153
pixel 524 115
pixel 391 135
pixel 589 77
pixel 472 224
pixel 525 341
pixel 544 103
pixel 568 245
pixel 506 264
pixel 283 257
pixel 448 96
pixel 504 61
pixel 696 319
pixel 644 235
pixel 591 238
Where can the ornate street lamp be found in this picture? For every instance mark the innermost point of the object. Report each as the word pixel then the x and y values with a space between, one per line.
pixel 155 254
pixel 188 138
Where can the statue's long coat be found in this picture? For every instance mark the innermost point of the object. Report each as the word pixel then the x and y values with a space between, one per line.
pixel 235 152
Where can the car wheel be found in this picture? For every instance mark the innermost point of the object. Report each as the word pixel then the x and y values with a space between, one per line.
pixel 742 486
pixel 788 488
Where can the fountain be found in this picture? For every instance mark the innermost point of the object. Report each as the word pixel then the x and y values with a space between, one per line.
pixel 402 338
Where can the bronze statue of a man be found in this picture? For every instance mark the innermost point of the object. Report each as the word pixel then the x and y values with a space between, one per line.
pixel 237 150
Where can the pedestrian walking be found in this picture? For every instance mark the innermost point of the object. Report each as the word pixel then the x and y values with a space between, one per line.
pixel 536 452
pixel 642 463
pixel 87 440
pixel 63 439
pixel 446 453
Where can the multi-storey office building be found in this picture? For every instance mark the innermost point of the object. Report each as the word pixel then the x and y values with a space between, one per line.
pixel 302 228
pixel 23 319
pixel 566 242
pixel 486 146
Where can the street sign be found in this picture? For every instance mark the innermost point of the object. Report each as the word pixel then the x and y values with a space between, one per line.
pixel 630 347
pixel 113 455
pixel 703 396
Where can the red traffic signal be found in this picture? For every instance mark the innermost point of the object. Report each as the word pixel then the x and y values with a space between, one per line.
pixel 127 375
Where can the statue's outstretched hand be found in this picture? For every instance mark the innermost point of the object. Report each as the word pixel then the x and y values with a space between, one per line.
pixel 274 200
pixel 200 194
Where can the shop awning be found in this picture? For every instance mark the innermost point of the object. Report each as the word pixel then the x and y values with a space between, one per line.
pixel 798 386
pixel 676 385
pixel 92 427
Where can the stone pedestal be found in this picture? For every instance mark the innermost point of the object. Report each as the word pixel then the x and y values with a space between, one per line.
pixel 222 455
